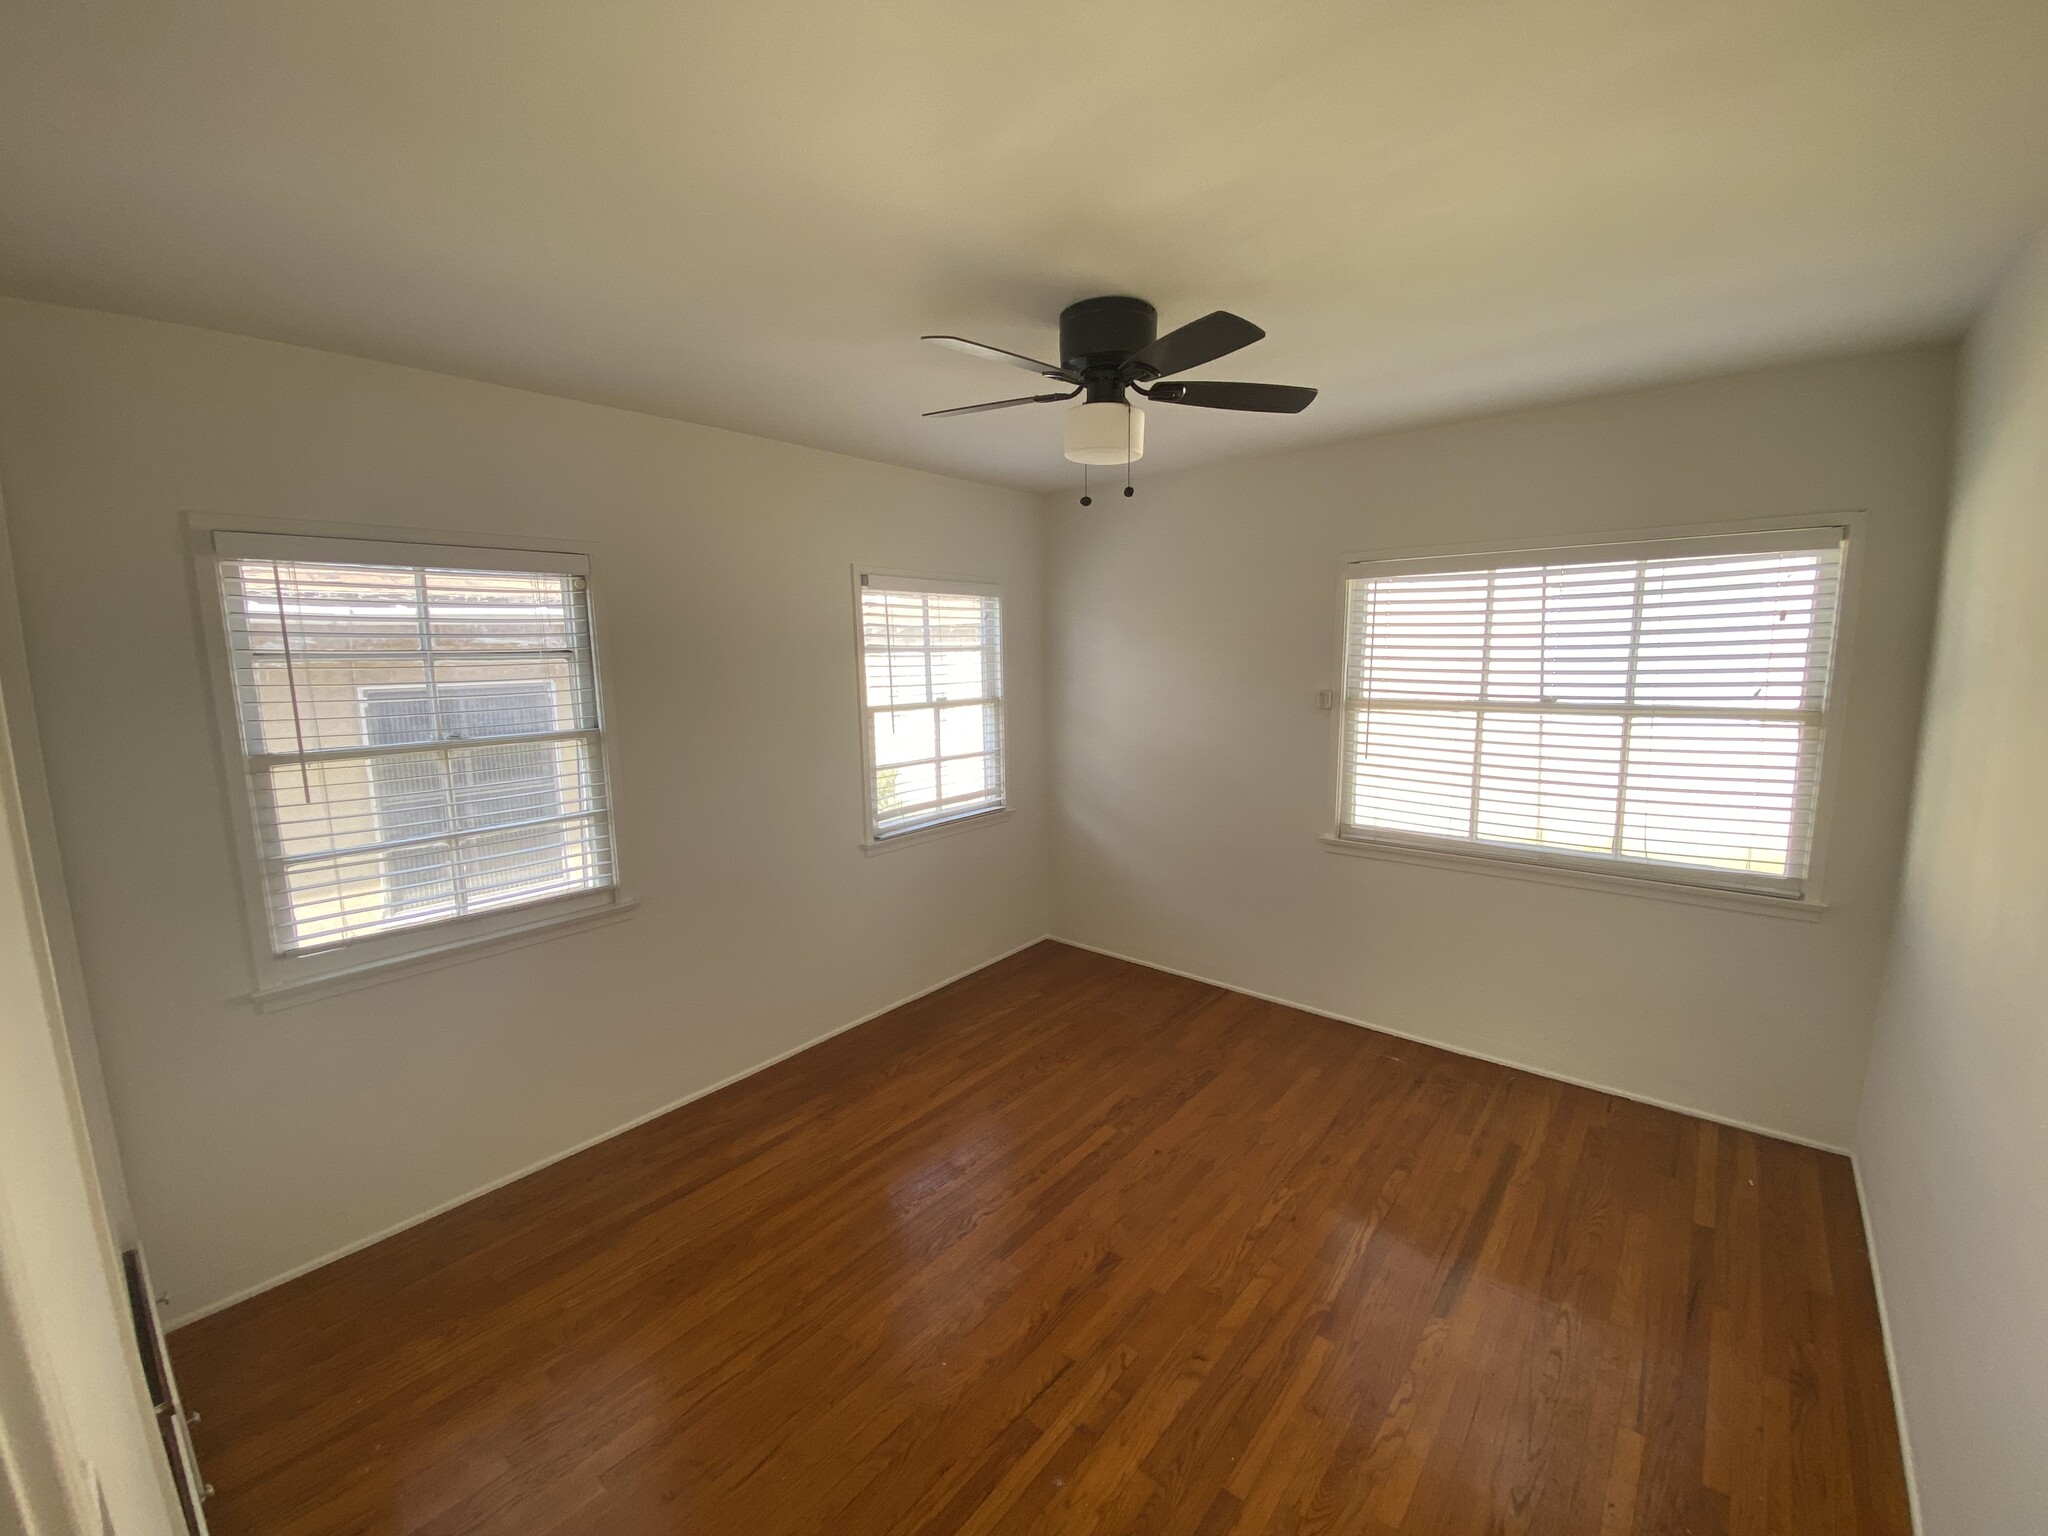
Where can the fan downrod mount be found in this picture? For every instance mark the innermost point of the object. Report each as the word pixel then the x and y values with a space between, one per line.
pixel 1097 335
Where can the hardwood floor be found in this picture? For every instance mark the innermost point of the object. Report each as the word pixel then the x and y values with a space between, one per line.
pixel 1074 1246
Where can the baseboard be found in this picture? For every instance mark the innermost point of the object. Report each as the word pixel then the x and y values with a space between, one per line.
pixel 582 1146
pixel 1462 1050
pixel 1891 1354
pixel 181 1319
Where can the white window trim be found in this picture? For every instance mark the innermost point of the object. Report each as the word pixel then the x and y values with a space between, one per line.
pixel 919 581
pixel 1681 884
pixel 281 980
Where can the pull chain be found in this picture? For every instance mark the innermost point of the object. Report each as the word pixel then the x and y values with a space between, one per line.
pixel 1088 500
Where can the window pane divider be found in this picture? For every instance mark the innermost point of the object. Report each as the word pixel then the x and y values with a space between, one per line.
pixel 430 839
pixel 435 654
pixel 414 748
pixel 893 709
pixel 939 757
pixel 1616 710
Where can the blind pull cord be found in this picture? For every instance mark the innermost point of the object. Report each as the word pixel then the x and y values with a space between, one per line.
pixel 291 682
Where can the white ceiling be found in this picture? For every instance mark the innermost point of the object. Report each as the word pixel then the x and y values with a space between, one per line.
pixel 744 212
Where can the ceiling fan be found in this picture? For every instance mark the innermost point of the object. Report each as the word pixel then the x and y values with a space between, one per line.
pixel 1111 345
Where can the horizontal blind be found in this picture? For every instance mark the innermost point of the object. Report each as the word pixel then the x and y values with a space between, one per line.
pixel 1658 711
pixel 422 743
pixel 931 703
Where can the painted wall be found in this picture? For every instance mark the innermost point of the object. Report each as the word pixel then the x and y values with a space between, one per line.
pixel 259 1142
pixel 75 1426
pixel 1953 1145
pixel 1193 627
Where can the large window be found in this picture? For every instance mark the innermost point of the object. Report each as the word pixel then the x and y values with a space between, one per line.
pixel 931 676
pixel 1655 709
pixel 420 737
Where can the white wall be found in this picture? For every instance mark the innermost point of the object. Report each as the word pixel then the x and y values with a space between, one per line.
pixel 1953 1145
pixel 1193 626
pixel 259 1142
pixel 75 1425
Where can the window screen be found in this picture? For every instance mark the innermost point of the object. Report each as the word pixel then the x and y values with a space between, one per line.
pixel 931 702
pixel 422 743
pixel 1657 709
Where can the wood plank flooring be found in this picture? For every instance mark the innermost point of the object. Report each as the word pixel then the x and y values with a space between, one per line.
pixel 1074 1246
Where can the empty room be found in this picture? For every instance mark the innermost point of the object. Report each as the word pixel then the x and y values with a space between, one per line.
pixel 929 770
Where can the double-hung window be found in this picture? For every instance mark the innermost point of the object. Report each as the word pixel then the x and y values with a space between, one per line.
pixel 931 693
pixel 421 742
pixel 1657 710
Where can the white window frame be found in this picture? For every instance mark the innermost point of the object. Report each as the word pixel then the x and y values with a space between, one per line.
pixel 284 980
pixel 1803 898
pixel 875 577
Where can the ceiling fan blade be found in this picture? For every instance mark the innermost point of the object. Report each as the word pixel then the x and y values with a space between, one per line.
pixel 1217 395
pixel 997 405
pixel 998 355
pixel 1198 342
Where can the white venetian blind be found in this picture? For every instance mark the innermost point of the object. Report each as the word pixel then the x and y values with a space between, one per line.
pixel 1658 707
pixel 931 702
pixel 422 741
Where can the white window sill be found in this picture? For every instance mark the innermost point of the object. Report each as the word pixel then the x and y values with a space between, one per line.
pixel 876 845
pixel 454 951
pixel 1799 909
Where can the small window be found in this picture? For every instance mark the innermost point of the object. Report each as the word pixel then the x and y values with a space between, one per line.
pixel 421 741
pixel 931 676
pixel 1656 710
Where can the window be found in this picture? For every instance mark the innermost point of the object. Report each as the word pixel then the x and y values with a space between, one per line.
pixel 420 736
pixel 1654 710
pixel 931 677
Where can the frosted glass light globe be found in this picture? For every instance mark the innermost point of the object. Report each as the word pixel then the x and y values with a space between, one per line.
pixel 1105 432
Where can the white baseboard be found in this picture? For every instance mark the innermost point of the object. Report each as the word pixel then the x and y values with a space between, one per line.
pixel 582 1146
pixel 181 1319
pixel 1464 1050
pixel 1891 1354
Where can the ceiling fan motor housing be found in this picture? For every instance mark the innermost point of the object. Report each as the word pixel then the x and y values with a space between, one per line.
pixel 1096 335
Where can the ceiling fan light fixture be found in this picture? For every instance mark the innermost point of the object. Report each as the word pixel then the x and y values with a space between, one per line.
pixel 1110 347
pixel 1105 432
